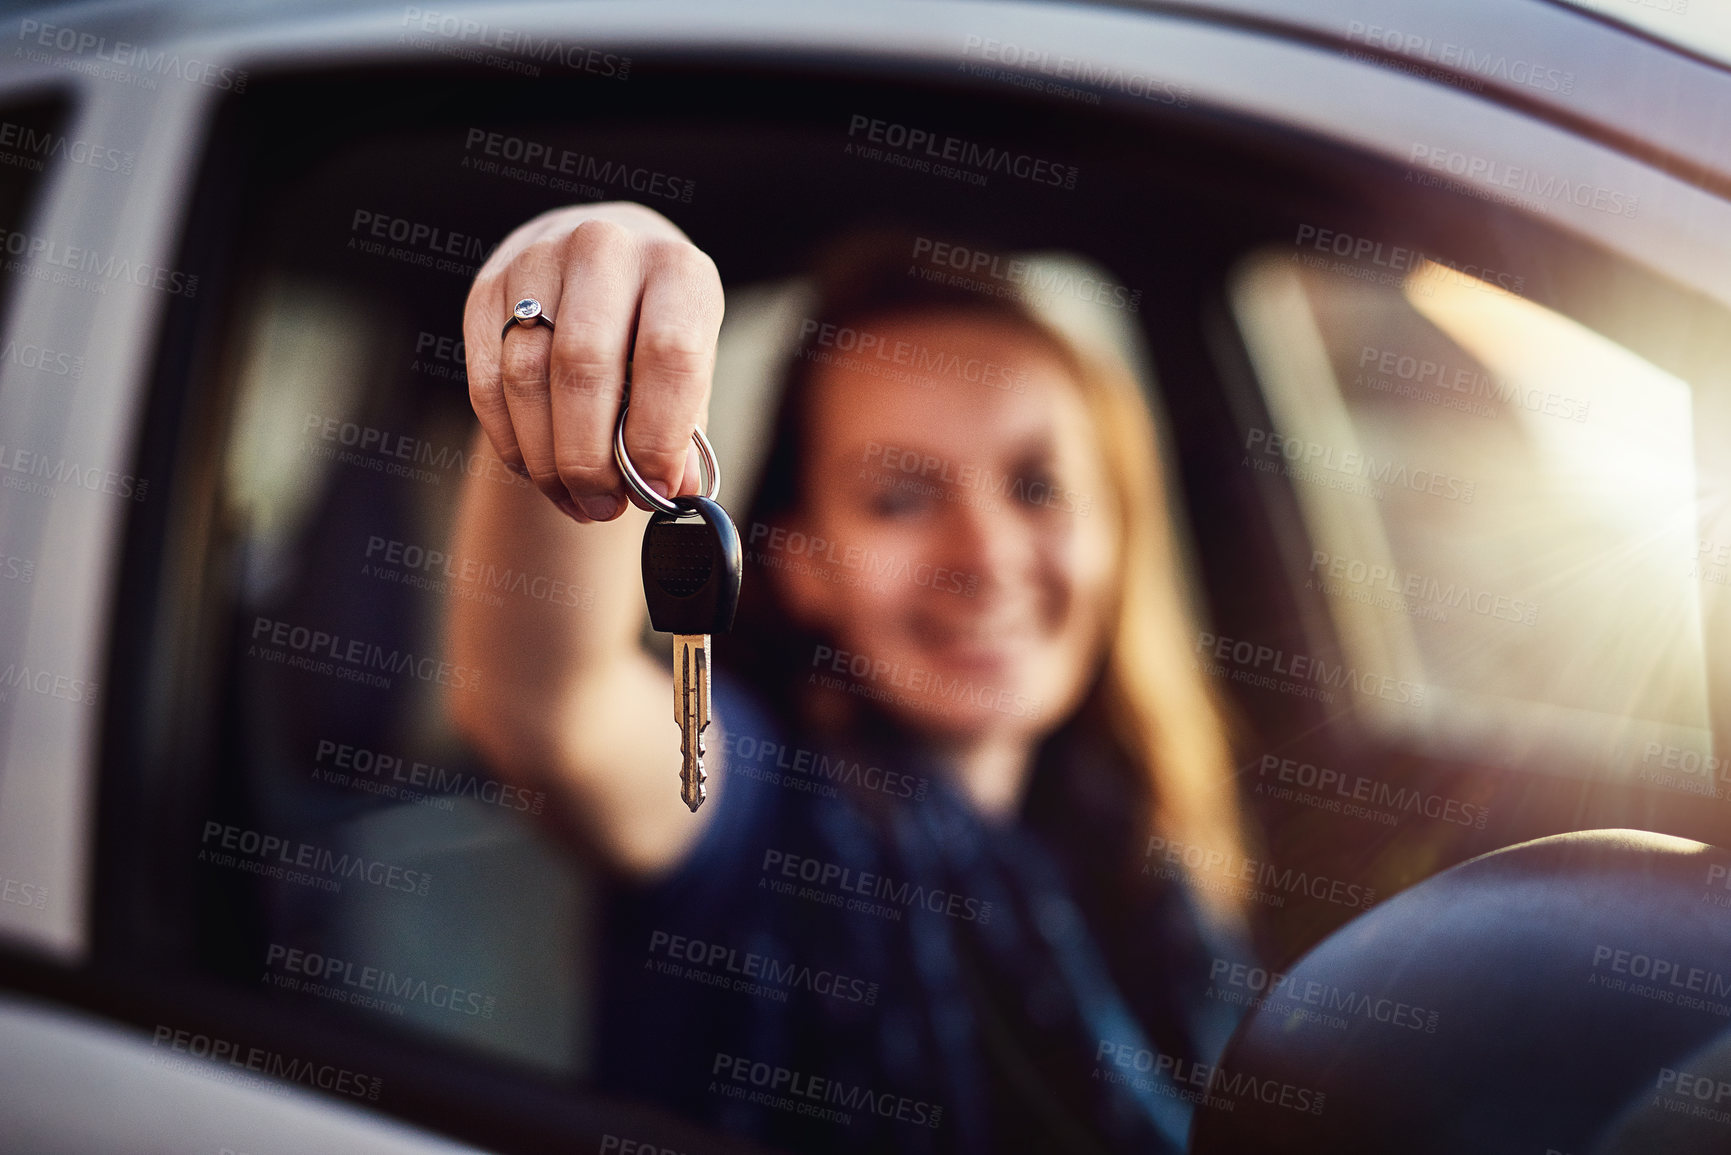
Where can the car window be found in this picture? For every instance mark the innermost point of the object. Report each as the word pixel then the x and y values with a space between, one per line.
pixel 1500 506
pixel 324 848
pixel 1488 458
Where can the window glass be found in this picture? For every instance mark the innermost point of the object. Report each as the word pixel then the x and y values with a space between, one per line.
pixel 1500 506
pixel 332 849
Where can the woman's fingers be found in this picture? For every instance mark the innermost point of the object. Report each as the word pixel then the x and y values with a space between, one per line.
pixel 586 381
pixel 523 355
pixel 484 315
pixel 673 362
pixel 618 281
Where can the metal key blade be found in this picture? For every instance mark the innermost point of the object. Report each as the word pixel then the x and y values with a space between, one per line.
pixel 691 711
pixel 691 572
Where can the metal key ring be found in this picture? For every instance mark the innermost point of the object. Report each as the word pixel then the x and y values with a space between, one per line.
pixel 706 465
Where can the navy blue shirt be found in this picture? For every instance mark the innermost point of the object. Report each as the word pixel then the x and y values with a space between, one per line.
pixel 852 959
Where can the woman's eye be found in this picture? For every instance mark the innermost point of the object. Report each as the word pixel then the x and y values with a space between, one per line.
pixel 1036 486
pixel 898 502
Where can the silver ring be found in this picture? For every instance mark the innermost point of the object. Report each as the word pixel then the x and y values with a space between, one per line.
pixel 706 465
pixel 527 312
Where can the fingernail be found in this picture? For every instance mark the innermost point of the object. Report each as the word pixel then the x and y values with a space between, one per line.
pixel 660 487
pixel 570 510
pixel 601 508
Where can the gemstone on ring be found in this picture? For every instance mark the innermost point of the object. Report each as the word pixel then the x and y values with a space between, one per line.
pixel 527 309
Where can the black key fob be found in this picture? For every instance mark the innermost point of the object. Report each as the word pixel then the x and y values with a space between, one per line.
pixel 692 568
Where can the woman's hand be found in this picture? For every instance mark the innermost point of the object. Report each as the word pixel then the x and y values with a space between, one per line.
pixel 571 703
pixel 618 280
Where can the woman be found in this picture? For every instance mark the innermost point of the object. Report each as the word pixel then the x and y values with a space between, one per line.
pixel 915 914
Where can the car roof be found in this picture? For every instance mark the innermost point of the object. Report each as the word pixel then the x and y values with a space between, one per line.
pixel 1704 30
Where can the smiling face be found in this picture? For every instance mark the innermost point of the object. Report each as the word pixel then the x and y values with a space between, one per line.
pixel 970 530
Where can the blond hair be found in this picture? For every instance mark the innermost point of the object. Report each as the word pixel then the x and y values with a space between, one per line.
pixel 1163 714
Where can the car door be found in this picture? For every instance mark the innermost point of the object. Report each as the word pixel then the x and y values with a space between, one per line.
pixel 1456 598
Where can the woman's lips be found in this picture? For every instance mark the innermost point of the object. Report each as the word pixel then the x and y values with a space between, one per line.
pixel 979 650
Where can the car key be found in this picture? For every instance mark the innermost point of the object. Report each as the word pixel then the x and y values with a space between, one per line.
pixel 691 575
